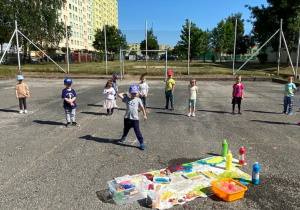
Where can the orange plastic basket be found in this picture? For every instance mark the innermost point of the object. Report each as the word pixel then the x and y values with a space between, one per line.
pixel 225 195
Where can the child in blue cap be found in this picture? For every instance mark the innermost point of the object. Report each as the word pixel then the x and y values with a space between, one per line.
pixel 131 118
pixel 69 96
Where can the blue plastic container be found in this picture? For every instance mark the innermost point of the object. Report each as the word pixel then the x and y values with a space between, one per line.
pixel 255 173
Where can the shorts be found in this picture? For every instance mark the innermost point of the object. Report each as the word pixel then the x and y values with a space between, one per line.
pixel 192 102
pixel 236 100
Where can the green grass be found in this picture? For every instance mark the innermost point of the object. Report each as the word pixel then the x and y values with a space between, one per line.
pixel 155 68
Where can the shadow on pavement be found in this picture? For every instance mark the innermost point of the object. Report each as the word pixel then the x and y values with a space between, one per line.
pixel 219 112
pixel 171 113
pixel 96 105
pixel 46 122
pixel 94 113
pixel 9 110
pixel 106 141
pixel 149 107
pixel 262 112
pixel 274 123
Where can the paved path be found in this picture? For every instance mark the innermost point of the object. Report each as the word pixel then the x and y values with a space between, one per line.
pixel 47 166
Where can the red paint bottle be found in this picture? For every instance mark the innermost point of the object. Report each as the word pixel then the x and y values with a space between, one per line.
pixel 242 156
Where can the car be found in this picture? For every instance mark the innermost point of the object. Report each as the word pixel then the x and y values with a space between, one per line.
pixel 34 60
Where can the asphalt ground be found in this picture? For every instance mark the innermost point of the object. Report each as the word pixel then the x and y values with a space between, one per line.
pixel 47 166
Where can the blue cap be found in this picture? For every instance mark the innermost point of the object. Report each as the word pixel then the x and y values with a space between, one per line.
pixel 20 77
pixel 68 81
pixel 134 89
pixel 115 75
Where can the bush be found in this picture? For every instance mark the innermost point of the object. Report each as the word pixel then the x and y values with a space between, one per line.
pixel 262 57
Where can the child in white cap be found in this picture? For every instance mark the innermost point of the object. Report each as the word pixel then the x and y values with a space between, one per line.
pixel 22 93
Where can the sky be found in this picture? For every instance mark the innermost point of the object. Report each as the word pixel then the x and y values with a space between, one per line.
pixel 168 16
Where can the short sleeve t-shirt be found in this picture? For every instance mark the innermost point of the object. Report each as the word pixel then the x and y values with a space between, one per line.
pixel 132 107
pixel 238 90
pixel 193 92
pixel 69 94
pixel 143 88
pixel 169 84
pixel 289 89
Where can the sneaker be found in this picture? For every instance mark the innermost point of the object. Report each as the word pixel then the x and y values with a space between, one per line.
pixel 143 146
pixel 283 112
pixel 239 112
pixel 233 113
pixel 166 108
pixel 75 124
pixel 122 139
pixel 289 113
pixel 298 123
pixel 193 114
pixel 68 125
pixel 25 111
pixel 172 109
pixel 21 112
pixel 189 114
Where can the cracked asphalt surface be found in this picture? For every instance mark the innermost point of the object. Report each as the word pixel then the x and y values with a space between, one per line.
pixel 47 166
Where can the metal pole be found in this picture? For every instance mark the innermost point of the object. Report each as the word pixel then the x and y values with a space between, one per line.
pixel 121 57
pixel 105 49
pixel 297 56
pixel 166 65
pixel 288 53
pixel 189 48
pixel 18 53
pixel 279 48
pixel 146 35
pixel 42 51
pixel 67 46
pixel 233 61
pixel 8 45
pixel 257 51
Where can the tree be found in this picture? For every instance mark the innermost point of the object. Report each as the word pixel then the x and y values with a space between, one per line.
pixel 152 43
pixel 266 21
pixel 199 40
pixel 114 40
pixel 37 19
pixel 223 36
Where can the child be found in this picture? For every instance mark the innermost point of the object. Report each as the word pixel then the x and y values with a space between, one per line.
pixel 169 90
pixel 131 118
pixel 115 85
pixel 143 90
pixel 192 91
pixel 289 87
pixel 69 96
pixel 237 94
pixel 22 92
pixel 110 101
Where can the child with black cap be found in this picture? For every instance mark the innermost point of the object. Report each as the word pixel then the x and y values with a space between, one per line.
pixel 131 118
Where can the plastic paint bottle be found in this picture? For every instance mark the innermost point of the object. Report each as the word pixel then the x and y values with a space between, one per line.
pixel 242 156
pixel 255 173
pixel 224 148
pixel 228 165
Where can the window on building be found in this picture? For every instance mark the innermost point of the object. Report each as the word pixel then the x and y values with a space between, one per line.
pixel 70 7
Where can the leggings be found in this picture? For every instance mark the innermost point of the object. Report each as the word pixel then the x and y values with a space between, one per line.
pixel 70 115
pixel 22 103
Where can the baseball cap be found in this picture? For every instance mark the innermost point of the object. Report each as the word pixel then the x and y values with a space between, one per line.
pixel 115 75
pixel 170 73
pixel 133 89
pixel 20 77
pixel 68 81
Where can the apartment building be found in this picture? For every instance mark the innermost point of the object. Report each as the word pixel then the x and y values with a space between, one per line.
pixel 84 17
